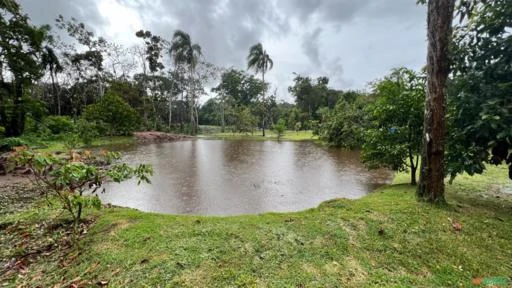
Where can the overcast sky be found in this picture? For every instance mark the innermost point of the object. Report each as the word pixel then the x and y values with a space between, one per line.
pixel 352 42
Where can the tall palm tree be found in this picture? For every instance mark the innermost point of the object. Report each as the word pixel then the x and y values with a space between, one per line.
pixel 259 61
pixel 184 52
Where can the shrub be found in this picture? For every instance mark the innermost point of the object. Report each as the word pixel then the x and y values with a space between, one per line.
pixel 298 126
pixel 117 115
pixel 86 131
pixel 343 126
pixel 68 178
pixel 279 128
pixel 8 144
pixel 58 124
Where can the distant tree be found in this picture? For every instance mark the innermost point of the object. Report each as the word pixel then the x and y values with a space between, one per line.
pixel 345 124
pixel 154 45
pixel 393 137
pixel 51 62
pixel 259 60
pixel 298 126
pixel 120 118
pixel 87 63
pixel 311 96
pixel 184 52
pixel 439 32
pixel 279 128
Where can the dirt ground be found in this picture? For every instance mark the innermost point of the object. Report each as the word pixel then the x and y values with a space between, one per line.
pixel 16 193
pixel 154 136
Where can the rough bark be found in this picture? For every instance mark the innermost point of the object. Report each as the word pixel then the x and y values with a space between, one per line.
pixel 439 30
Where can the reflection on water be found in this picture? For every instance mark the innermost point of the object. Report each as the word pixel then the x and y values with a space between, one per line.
pixel 218 177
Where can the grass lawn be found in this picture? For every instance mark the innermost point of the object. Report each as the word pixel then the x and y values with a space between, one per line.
pixel 53 146
pixel 289 135
pixel 386 239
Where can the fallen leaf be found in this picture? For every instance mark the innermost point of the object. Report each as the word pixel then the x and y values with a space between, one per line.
pixel 457 226
pixel 477 281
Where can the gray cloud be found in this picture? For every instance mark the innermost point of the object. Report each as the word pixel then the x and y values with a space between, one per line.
pixel 45 12
pixel 352 42
pixel 310 45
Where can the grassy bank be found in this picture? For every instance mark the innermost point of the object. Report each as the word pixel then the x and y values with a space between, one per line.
pixel 269 135
pixel 59 145
pixel 386 239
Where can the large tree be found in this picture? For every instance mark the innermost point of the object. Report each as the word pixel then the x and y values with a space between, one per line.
pixel 393 138
pixel 479 98
pixel 259 60
pixel 439 32
pixel 186 53
pixel 20 50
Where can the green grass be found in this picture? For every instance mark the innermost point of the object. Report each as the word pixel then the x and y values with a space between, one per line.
pixel 337 244
pixel 289 135
pixel 54 146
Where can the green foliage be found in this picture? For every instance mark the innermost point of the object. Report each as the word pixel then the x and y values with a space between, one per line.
pixel 7 144
pixel 59 124
pixel 344 126
pixel 20 49
pixel 313 97
pixel 393 137
pixel 479 102
pixel 245 121
pixel 279 128
pixel 118 117
pixel 71 140
pixel 298 126
pixel 259 60
pixel 87 131
pixel 68 178
pixel 237 88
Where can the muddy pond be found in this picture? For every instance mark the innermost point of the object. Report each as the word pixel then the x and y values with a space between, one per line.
pixel 224 177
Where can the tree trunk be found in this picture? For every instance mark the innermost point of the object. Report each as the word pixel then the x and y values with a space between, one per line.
pixel 170 102
pixel 223 123
pixel 17 121
pixel 414 167
pixel 55 94
pixel 439 30
pixel 264 108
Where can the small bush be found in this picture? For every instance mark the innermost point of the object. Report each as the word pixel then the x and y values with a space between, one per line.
pixel 86 131
pixel 279 128
pixel 71 140
pixel 8 144
pixel 58 124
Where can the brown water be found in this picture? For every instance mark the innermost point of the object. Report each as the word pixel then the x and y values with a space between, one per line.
pixel 218 177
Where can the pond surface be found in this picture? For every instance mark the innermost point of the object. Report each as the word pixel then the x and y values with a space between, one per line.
pixel 219 177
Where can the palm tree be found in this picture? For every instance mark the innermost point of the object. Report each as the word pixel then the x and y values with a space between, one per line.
pixel 184 52
pixel 260 62
pixel 51 62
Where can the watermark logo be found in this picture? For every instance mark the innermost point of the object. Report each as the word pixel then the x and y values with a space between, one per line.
pixel 492 282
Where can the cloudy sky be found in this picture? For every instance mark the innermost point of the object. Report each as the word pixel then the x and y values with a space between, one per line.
pixel 352 42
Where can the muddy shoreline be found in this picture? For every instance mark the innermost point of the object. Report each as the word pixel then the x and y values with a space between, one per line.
pixel 155 136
